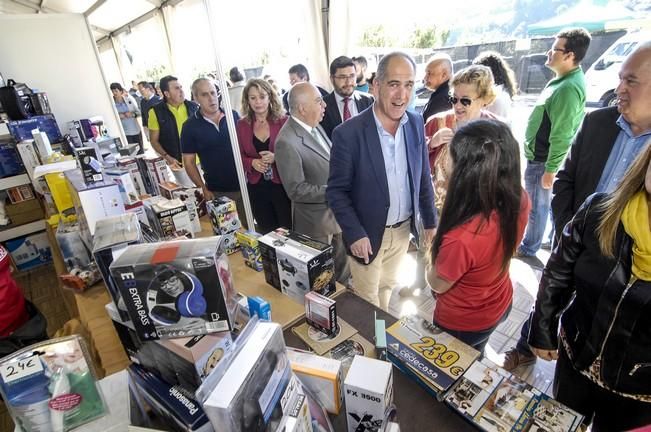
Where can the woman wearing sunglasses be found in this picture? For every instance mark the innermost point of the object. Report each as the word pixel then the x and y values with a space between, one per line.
pixel 472 90
pixel 476 238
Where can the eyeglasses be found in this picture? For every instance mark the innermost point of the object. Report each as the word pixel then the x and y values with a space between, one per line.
pixel 465 101
pixel 351 77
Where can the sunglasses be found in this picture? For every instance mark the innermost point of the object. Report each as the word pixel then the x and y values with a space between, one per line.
pixel 465 101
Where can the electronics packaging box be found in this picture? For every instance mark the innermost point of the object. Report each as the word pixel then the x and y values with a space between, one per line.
pixel 223 215
pixel 321 312
pixel 170 402
pixel 10 163
pixel 73 251
pixel 30 251
pixel 368 392
pixel 167 189
pixel 176 288
pixel 30 158
pixel 257 388
pixel 248 241
pixel 42 143
pixel 157 169
pixel 92 203
pixel 495 400
pixel 185 361
pixel 20 193
pixel 112 236
pixel 169 218
pixel 22 129
pixel 192 198
pixel 322 375
pixel 436 358
pixel 230 244
pixel 301 264
pixel 124 180
pixel 91 168
pixel 131 165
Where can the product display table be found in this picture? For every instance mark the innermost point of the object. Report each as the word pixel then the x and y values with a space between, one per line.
pixel 417 409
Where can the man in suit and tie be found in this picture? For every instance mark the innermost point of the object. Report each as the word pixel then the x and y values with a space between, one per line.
pixel 303 162
pixel 380 186
pixel 344 102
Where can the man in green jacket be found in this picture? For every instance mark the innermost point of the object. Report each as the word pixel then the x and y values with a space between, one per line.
pixel 551 127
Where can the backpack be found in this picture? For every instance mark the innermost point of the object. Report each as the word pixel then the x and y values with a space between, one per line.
pixel 15 100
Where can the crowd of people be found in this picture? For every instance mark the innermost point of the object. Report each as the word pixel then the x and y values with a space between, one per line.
pixel 360 170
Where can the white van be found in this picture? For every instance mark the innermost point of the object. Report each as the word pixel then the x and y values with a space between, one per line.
pixel 603 76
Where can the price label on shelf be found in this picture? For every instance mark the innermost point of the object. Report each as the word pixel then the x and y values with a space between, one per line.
pixel 19 369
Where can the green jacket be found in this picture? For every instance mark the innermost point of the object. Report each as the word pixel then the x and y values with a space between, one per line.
pixel 555 119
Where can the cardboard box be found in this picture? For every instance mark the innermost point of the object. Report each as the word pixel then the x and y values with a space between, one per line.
pixel 131 165
pixel 167 189
pixel 176 288
pixel 321 375
pixel 73 251
pixel 137 208
pixel 230 245
pixel 321 312
pixel 28 155
pixel 168 218
pixel 301 264
pixel 250 248
pixel 24 212
pixel 368 391
pixel 223 215
pixel 10 163
pixel 30 251
pixel 257 387
pixel 192 198
pixel 124 180
pixel 22 129
pixel 157 169
pixel 435 358
pixel 20 193
pixel 93 202
pixel 112 236
pixel 42 143
pixel 91 168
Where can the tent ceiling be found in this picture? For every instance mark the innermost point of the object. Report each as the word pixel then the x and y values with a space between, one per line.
pixel 104 16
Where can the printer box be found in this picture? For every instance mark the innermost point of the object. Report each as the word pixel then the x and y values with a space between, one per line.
pixel 168 218
pixel 92 202
pixel 30 251
pixel 176 288
pixel 223 215
pixel 112 236
pixel 301 264
pixel 323 376
pixel 430 356
pixel 368 391
pixel 250 248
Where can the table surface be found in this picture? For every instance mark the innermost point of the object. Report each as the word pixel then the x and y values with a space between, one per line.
pixel 417 409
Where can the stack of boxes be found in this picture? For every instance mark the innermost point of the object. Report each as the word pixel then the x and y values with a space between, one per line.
pixel 225 221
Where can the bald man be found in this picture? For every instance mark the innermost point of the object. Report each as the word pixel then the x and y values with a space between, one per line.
pixel 437 76
pixel 303 162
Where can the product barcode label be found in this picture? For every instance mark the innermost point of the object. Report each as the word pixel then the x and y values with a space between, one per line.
pixel 217 326
pixel 97 177
pixel 19 369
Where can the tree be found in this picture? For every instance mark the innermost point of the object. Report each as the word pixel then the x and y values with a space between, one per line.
pixel 423 38
pixel 375 37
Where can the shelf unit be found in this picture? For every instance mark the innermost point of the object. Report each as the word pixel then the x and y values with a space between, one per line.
pixel 21 230
pixel 17 180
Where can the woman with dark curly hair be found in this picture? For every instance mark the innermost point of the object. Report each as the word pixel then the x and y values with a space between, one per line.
pixel 505 87
pixel 482 222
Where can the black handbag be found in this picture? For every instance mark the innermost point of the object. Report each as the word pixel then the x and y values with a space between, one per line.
pixel 15 100
pixel 33 331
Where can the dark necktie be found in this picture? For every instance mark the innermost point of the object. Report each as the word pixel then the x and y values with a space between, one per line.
pixel 347 114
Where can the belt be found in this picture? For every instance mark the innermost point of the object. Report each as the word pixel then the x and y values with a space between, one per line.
pixel 396 225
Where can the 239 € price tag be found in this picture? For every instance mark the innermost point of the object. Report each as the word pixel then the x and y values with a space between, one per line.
pixel 21 368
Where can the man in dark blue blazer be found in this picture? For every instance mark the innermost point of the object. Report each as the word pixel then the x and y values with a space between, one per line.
pixel 380 187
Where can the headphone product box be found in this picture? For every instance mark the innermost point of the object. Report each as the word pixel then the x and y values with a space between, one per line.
pixel 248 241
pixel 368 392
pixel 296 264
pixel 176 288
pixel 321 375
pixel 131 165
pixel 192 198
pixel 112 236
pixel 230 244
pixel 256 389
pixel 169 218
pixel 223 215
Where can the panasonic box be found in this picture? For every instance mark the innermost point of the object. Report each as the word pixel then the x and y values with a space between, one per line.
pixel 176 288
pixel 296 264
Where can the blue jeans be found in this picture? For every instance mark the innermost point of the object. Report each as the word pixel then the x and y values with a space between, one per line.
pixel 540 204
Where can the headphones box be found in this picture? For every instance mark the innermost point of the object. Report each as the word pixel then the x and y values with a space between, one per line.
pixel 223 215
pixel 168 218
pixel 176 288
pixel 250 248
pixel 296 264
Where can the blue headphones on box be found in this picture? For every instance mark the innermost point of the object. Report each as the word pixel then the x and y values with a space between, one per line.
pixel 173 294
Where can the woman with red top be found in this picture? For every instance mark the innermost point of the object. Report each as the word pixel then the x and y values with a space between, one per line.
pixel 262 118
pixel 482 222
pixel 13 312
pixel 472 91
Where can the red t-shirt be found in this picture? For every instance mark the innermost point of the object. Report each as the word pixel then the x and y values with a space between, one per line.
pixel 12 303
pixel 472 261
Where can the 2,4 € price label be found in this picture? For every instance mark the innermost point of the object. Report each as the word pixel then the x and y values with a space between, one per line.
pixel 20 369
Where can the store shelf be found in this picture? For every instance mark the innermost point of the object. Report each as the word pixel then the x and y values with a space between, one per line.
pixel 9 182
pixel 22 230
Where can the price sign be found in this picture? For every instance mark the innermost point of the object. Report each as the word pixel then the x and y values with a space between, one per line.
pixel 20 369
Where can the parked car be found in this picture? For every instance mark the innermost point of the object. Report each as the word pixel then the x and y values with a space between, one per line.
pixel 603 76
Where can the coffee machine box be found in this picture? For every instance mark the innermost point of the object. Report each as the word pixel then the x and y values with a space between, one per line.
pixel 302 264
pixel 176 288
